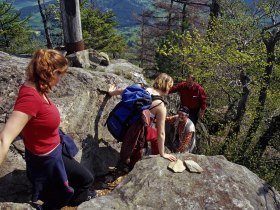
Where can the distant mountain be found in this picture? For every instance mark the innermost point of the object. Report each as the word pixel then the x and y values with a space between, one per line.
pixel 29 8
pixel 32 9
pixel 125 10
pixel 19 4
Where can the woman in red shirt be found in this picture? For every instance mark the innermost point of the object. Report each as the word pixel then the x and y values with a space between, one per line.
pixel 53 176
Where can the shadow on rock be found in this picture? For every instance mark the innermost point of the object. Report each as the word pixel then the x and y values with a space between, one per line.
pixel 98 155
pixel 267 192
pixel 15 187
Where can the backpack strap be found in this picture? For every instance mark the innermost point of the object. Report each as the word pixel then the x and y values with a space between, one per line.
pixel 156 105
pixel 157 97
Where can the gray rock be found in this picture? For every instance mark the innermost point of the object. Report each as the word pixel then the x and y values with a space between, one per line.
pixel 105 59
pixel 177 166
pixel 15 206
pixel 79 59
pixel 222 185
pixel 193 166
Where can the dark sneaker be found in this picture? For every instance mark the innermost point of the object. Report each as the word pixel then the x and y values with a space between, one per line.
pixel 121 166
pixel 36 206
pixel 91 195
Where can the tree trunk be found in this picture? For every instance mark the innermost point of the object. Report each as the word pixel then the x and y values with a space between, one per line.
pixel 142 41
pixel 270 51
pixel 270 44
pixel 183 18
pixel 72 28
pixel 245 80
pixel 213 15
pixel 272 131
pixel 45 23
pixel 169 16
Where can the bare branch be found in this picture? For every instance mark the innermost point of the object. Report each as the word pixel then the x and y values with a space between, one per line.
pixel 272 26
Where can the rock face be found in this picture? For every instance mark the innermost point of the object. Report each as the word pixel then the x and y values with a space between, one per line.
pixel 15 206
pixel 222 185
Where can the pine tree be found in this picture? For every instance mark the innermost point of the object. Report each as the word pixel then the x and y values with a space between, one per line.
pixel 15 36
pixel 99 30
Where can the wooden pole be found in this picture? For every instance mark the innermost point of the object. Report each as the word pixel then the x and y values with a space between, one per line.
pixel 72 27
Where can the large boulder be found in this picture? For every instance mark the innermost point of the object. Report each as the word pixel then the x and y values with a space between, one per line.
pixel 221 185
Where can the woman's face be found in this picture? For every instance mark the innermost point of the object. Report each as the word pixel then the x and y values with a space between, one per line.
pixel 58 74
pixel 169 86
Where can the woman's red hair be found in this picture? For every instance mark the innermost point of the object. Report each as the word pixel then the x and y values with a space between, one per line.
pixel 40 70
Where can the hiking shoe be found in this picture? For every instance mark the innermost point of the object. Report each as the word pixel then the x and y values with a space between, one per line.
pixel 91 195
pixel 37 205
pixel 121 166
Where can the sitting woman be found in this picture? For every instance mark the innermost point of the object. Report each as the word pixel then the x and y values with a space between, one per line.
pixel 56 179
pixel 161 87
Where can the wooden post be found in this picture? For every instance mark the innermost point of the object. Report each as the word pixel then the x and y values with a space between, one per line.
pixel 72 28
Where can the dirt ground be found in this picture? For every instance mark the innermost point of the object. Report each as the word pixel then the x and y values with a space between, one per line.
pixel 103 185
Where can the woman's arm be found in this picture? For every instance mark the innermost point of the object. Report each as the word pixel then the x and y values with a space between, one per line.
pixel 11 130
pixel 113 90
pixel 160 125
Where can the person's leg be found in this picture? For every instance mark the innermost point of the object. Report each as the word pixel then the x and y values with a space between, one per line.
pixel 154 147
pixel 136 155
pixel 193 115
pixel 80 178
pixel 48 178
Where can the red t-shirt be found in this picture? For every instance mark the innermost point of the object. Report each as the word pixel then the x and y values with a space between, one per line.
pixel 193 97
pixel 41 131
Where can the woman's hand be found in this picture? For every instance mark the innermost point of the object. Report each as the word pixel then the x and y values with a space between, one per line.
pixel 169 157
pixel 113 90
pixel 112 87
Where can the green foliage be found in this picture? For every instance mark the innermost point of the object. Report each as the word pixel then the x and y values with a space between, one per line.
pixel 234 43
pixel 15 36
pixel 218 56
pixel 99 30
pixel 170 63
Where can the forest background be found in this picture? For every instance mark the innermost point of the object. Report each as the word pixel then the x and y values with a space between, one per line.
pixel 232 46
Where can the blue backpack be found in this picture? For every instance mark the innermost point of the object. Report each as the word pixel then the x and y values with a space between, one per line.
pixel 135 99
